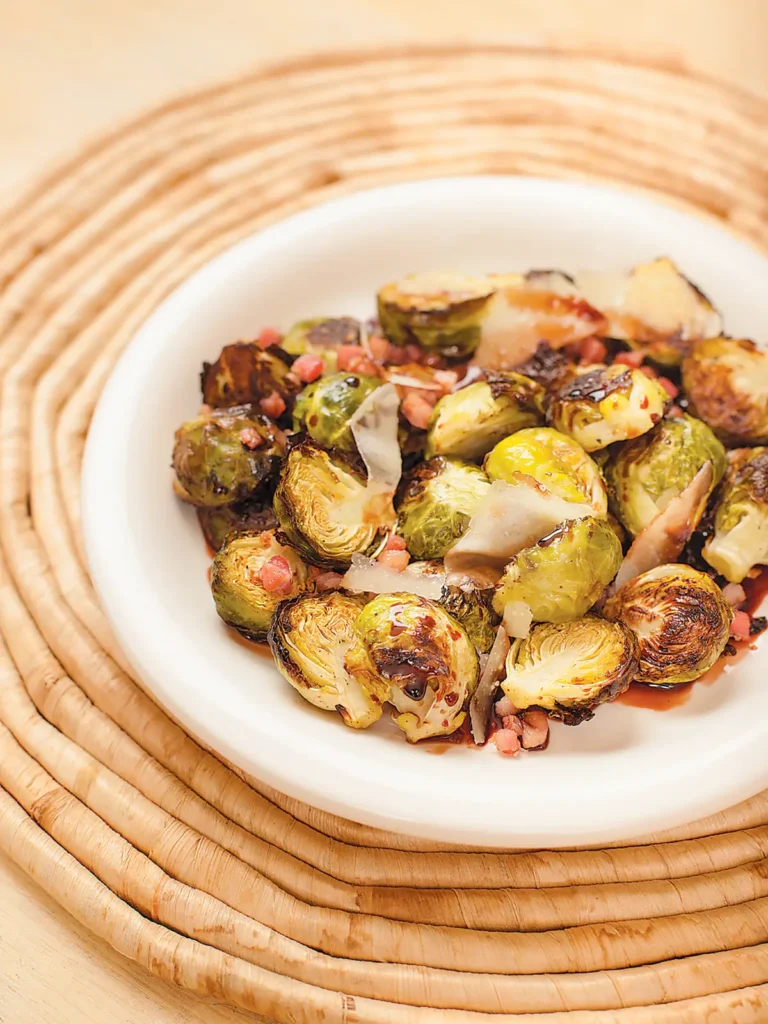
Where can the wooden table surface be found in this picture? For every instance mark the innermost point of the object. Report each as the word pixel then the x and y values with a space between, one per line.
pixel 69 68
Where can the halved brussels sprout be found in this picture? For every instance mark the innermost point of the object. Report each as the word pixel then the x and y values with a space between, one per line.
pixel 644 475
pixel 320 503
pixel 740 539
pixel 654 308
pixel 425 656
pixel 607 404
pixel 247 517
pixel 314 643
pixel 324 409
pixel 321 334
pixel 467 423
pixel 438 502
pixel 726 382
pixel 562 575
pixel 244 373
pixel 555 460
pixel 238 577
pixel 225 455
pixel 681 619
pixel 500 317
pixel 549 367
pixel 568 669
pixel 471 606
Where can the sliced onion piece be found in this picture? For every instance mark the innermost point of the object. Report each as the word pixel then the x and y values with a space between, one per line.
pixel 482 699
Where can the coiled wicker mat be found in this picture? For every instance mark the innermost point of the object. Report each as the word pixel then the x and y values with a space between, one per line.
pixel 208 878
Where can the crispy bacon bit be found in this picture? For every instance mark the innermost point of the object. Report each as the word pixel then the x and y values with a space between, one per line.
pixel 308 367
pixel 393 559
pixel 535 729
pixel 395 543
pixel 273 405
pixel 379 348
pixel 345 354
pixel 417 410
pixel 514 723
pixel 505 707
pixel 250 437
pixel 414 353
pixel 734 594
pixel 507 742
pixel 675 411
pixel 649 371
pixel 632 358
pixel 740 627
pixel 329 581
pixel 672 389
pixel 276 575
pixel 592 350
pixel 269 336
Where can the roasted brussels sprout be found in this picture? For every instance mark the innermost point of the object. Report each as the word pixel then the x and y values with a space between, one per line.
pixel 500 317
pixel 321 335
pixel 426 657
pixel 740 538
pixel 654 308
pixel 248 517
pixel 320 503
pixel 726 382
pixel 644 475
pixel 471 606
pixel 225 455
pixel 324 408
pixel 681 619
pixel 314 642
pixel 467 423
pixel 567 669
pixel 561 576
pixel 246 589
pixel 607 404
pixel 557 461
pixel 244 373
pixel 549 367
pixel 439 499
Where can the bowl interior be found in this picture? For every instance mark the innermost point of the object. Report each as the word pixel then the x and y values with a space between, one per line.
pixel 630 770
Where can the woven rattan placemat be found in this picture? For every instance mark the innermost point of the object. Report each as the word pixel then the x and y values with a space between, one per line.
pixel 205 877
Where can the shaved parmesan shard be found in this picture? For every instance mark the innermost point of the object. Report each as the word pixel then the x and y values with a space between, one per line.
pixel 369 576
pixel 666 536
pixel 517 619
pixel 480 705
pixel 374 427
pixel 509 517
pixel 539 306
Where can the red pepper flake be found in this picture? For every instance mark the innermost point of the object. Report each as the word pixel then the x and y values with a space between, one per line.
pixel 308 367
pixel 251 438
pixel 276 575
pixel 273 405
pixel 644 403
pixel 269 336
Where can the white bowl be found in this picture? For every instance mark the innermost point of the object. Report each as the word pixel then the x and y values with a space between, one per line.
pixel 630 770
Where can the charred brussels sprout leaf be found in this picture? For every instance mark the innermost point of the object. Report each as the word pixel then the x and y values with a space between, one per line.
pixel 562 575
pixel 426 658
pixel 571 668
pixel 607 404
pixel 469 605
pixel 740 538
pixel 644 475
pixel 315 645
pixel 320 503
pixel 237 575
pixel 244 374
pixel 557 461
pixel 549 367
pixel 325 408
pixel 220 523
pixel 470 421
pixel 438 502
pixel 681 619
pixel 726 381
pixel 224 456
